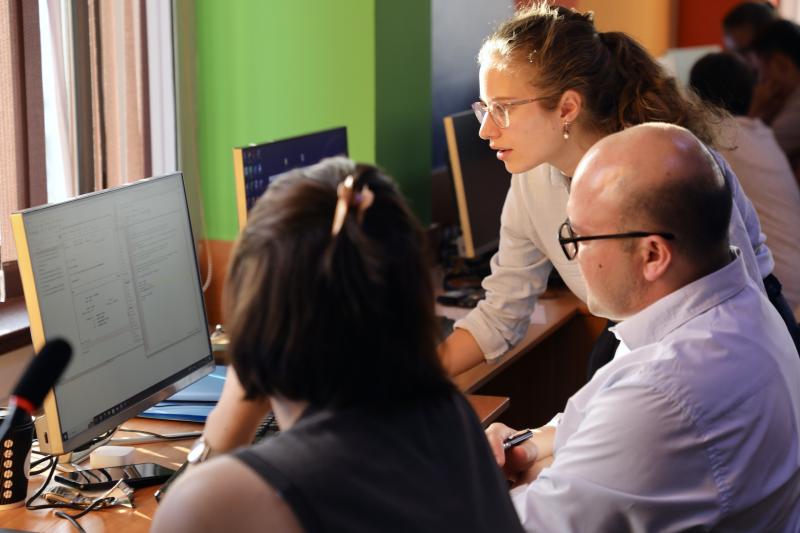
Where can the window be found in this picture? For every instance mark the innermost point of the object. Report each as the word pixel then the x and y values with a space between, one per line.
pixel 21 124
pixel 88 99
pixel 88 102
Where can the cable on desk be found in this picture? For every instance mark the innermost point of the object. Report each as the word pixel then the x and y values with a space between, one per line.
pixel 28 504
pixel 52 464
pixel 153 434
pixel 50 460
pixel 73 518
pixel 37 462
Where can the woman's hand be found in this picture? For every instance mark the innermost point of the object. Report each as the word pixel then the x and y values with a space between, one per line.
pixel 234 420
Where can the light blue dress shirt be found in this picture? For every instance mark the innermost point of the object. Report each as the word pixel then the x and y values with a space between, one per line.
pixel 694 423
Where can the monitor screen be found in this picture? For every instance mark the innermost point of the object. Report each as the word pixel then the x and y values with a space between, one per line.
pixel 258 165
pixel 115 274
pixel 480 181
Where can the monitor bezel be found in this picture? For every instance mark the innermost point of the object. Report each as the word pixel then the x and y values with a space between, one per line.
pixel 472 249
pixel 238 165
pixel 48 427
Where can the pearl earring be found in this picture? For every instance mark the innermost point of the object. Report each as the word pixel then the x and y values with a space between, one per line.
pixel 566 130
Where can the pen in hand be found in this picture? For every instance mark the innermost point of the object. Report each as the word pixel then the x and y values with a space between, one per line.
pixel 515 439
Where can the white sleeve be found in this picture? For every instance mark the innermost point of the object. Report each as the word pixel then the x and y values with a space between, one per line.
pixel 519 275
pixel 632 464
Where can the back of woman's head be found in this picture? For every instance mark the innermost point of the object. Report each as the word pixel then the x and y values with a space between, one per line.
pixel 621 84
pixel 333 319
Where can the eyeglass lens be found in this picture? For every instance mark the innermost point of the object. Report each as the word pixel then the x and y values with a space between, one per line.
pixel 498 111
pixel 570 248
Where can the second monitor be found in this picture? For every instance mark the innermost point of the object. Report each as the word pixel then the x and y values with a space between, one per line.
pixel 258 165
pixel 480 180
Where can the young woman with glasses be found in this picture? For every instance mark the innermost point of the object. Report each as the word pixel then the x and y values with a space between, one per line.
pixel 551 86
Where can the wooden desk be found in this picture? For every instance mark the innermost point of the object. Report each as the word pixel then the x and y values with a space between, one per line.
pixel 558 311
pixel 544 369
pixel 170 454
pixel 488 408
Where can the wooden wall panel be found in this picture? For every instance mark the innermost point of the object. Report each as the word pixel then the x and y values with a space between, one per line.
pixel 220 254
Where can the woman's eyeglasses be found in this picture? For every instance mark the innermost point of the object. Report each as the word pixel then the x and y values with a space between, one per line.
pixel 499 110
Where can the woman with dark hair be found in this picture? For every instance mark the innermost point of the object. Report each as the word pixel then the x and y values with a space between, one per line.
pixel 551 86
pixel 330 314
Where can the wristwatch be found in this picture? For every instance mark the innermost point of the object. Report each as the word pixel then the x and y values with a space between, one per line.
pixel 199 452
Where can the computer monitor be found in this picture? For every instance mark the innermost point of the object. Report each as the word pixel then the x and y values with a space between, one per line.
pixel 480 181
pixel 115 274
pixel 258 165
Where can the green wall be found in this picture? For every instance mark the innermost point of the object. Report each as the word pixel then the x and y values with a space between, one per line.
pixel 268 69
pixel 403 97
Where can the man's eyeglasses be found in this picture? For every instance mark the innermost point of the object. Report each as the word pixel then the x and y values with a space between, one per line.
pixel 569 242
pixel 499 110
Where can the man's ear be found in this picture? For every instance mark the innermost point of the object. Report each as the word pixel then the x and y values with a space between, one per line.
pixel 656 253
pixel 570 106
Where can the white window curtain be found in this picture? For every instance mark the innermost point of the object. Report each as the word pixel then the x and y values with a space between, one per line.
pixel 161 65
pixel 111 100
pixel 58 91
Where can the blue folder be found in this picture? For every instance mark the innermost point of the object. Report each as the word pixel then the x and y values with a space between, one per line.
pixel 206 389
pixel 194 403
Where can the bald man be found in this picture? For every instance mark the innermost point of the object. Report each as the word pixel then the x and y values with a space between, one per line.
pixel 695 422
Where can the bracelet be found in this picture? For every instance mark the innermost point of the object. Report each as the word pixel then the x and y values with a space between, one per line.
pixel 200 451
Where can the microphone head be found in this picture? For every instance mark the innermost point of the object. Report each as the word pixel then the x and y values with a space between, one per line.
pixel 43 372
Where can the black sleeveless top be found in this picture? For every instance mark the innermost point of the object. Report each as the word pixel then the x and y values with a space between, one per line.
pixel 425 468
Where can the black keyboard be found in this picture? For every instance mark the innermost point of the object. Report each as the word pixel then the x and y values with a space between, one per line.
pixel 445 327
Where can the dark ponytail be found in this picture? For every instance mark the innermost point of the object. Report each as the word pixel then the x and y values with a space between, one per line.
pixel 334 320
pixel 621 84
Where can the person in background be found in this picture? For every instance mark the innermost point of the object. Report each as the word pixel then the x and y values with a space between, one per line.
pixel 551 86
pixel 330 310
pixel 742 23
pixel 762 168
pixel 695 424
pixel 776 99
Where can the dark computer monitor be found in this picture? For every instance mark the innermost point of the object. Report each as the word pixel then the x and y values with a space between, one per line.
pixel 258 165
pixel 115 274
pixel 480 181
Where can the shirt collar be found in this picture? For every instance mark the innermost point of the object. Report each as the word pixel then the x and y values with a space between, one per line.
pixel 654 322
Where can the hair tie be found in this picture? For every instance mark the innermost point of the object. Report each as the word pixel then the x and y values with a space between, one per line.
pixel 347 197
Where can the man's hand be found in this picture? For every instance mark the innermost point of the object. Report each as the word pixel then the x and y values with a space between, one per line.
pixel 523 463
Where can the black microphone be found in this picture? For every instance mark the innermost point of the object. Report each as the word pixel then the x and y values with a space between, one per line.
pixel 40 376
